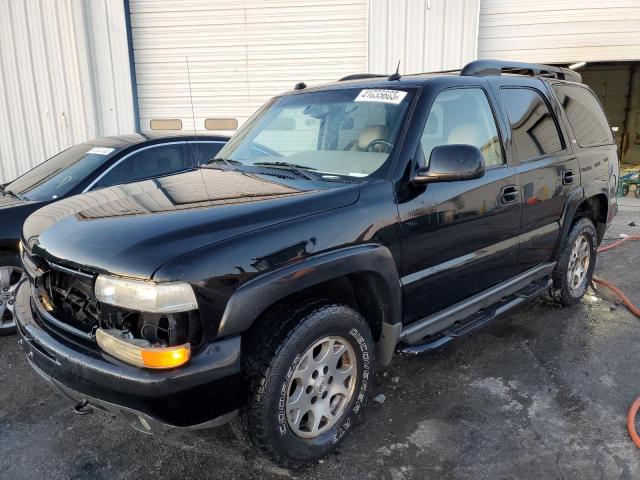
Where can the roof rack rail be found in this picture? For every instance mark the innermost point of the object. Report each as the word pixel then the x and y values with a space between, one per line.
pixel 498 67
pixel 361 76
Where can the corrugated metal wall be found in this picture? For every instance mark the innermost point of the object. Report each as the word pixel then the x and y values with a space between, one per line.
pixel 424 35
pixel 555 31
pixel 240 52
pixel 64 78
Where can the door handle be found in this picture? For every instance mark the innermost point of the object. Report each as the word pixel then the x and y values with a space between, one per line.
pixel 509 194
pixel 568 177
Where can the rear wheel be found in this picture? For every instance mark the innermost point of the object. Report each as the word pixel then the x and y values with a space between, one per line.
pixel 577 260
pixel 307 381
pixel 11 275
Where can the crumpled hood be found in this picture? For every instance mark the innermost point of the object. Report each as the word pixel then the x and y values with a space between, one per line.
pixel 134 229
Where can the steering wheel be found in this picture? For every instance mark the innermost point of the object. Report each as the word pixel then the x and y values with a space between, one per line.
pixel 379 146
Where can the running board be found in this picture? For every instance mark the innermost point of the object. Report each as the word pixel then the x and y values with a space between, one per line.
pixel 439 329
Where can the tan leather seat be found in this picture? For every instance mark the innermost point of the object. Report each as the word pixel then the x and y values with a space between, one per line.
pixel 469 134
pixel 369 134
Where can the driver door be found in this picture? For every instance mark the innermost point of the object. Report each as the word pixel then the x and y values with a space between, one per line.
pixel 459 238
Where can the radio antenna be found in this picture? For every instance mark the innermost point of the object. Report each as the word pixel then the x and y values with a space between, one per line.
pixel 396 75
pixel 193 113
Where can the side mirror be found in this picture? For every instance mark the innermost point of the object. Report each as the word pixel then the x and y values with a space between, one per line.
pixel 451 163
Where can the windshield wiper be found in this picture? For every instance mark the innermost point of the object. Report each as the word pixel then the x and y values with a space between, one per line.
pixel 293 167
pixel 13 194
pixel 226 161
pixel 216 163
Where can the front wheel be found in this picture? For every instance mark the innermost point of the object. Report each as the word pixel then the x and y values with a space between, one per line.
pixel 307 381
pixel 577 260
pixel 11 276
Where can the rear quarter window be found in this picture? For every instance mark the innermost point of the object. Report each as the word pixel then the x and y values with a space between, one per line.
pixel 533 127
pixel 587 120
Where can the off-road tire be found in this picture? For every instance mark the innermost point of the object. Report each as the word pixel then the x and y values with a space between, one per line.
pixel 270 354
pixel 583 227
pixel 8 259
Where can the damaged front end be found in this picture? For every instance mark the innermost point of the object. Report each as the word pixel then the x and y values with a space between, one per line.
pixel 123 360
pixel 77 303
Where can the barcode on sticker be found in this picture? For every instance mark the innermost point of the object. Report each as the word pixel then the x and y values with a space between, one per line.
pixel 101 150
pixel 379 95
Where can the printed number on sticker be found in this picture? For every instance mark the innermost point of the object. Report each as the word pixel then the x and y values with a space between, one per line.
pixel 101 150
pixel 379 95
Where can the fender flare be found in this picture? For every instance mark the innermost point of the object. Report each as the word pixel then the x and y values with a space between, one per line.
pixel 255 296
pixel 571 206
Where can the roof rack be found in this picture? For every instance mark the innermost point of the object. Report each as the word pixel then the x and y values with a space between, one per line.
pixel 360 76
pixel 498 67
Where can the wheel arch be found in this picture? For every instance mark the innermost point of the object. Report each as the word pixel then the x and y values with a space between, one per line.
pixel 364 277
pixel 595 207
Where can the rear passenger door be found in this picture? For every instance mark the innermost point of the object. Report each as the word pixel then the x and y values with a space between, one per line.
pixel 547 169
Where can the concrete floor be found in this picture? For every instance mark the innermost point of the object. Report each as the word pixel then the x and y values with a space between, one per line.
pixel 540 393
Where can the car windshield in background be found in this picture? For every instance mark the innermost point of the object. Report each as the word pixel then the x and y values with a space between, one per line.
pixel 61 173
pixel 337 132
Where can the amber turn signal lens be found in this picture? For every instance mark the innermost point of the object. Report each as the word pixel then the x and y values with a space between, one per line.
pixel 133 351
pixel 166 357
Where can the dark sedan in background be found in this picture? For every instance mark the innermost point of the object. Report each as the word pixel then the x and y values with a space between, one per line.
pixel 85 167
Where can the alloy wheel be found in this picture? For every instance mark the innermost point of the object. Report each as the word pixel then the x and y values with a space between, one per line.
pixel 579 261
pixel 321 386
pixel 10 280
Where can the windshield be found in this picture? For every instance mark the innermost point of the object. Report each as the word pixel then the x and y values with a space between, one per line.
pixel 61 173
pixel 338 132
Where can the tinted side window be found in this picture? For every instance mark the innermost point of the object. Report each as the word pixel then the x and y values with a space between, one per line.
pixel 147 163
pixel 533 128
pixel 205 151
pixel 585 114
pixel 464 116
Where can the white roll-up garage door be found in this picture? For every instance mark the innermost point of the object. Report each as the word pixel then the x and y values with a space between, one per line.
pixel 552 31
pixel 240 53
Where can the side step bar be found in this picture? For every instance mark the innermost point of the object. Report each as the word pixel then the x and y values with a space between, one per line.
pixel 439 329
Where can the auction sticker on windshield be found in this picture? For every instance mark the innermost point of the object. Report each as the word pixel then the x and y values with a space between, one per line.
pixel 380 95
pixel 101 150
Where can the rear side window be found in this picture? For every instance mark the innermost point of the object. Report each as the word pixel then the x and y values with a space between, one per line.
pixel 534 130
pixel 585 114
pixel 147 163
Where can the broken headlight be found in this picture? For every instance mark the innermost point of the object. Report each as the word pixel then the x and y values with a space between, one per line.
pixel 142 296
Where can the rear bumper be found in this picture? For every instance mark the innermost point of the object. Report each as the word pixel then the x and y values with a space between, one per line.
pixel 202 394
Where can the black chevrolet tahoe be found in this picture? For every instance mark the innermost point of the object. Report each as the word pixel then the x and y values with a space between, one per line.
pixel 341 224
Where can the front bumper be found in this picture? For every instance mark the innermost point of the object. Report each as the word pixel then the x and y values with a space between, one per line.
pixel 201 394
